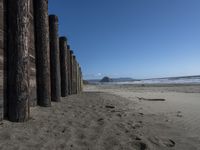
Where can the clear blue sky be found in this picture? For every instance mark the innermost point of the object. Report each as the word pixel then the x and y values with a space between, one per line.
pixel 132 38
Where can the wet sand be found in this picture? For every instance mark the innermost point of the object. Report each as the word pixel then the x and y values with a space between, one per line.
pixel 112 118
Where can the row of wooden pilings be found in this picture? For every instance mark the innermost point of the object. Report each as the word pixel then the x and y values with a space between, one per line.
pixel 57 70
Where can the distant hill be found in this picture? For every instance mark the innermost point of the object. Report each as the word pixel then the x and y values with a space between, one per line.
pixel 106 79
pixel 126 79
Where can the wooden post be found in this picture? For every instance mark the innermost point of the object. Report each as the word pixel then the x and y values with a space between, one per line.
pixel 3 66
pixel 54 58
pixel 18 60
pixel 74 77
pixel 42 53
pixel 32 67
pixel 81 76
pixel 63 66
pixel 76 74
pixel 78 79
pixel 69 69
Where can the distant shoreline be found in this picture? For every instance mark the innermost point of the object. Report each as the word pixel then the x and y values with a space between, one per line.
pixel 171 80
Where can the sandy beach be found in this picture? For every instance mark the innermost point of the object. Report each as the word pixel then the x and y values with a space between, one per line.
pixel 112 117
pixel 171 112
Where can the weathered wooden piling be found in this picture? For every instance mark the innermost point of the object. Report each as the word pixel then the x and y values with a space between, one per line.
pixel 3 67
pixel 81 80
pixel 63 66
pixel 74 77
pixel 32 68
pixel 69 70
pixel 77 77
pixel 54 58
pixel 18 60
pixel 73 74
pixel 42 53
pixel 25 33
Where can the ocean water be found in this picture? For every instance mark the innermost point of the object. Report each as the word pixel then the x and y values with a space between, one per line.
pixel 172 80
pixel 177 80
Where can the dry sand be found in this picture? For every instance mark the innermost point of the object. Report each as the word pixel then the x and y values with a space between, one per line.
pixel 112 118
pixel 176 118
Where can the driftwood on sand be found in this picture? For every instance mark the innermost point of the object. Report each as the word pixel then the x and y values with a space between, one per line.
pixel 151 99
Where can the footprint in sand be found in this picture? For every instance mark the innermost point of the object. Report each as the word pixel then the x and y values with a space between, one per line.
pixel 100 121
pixel 110 106
pixel 139 145
pixel 164 142
pixel 178 114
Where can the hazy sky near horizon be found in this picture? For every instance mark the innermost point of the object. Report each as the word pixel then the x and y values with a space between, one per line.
pixel 132 38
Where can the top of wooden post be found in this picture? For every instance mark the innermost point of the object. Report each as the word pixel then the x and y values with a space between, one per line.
pixel 68 47
pixel 71 52
pixel 53 18
pixel 63 38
